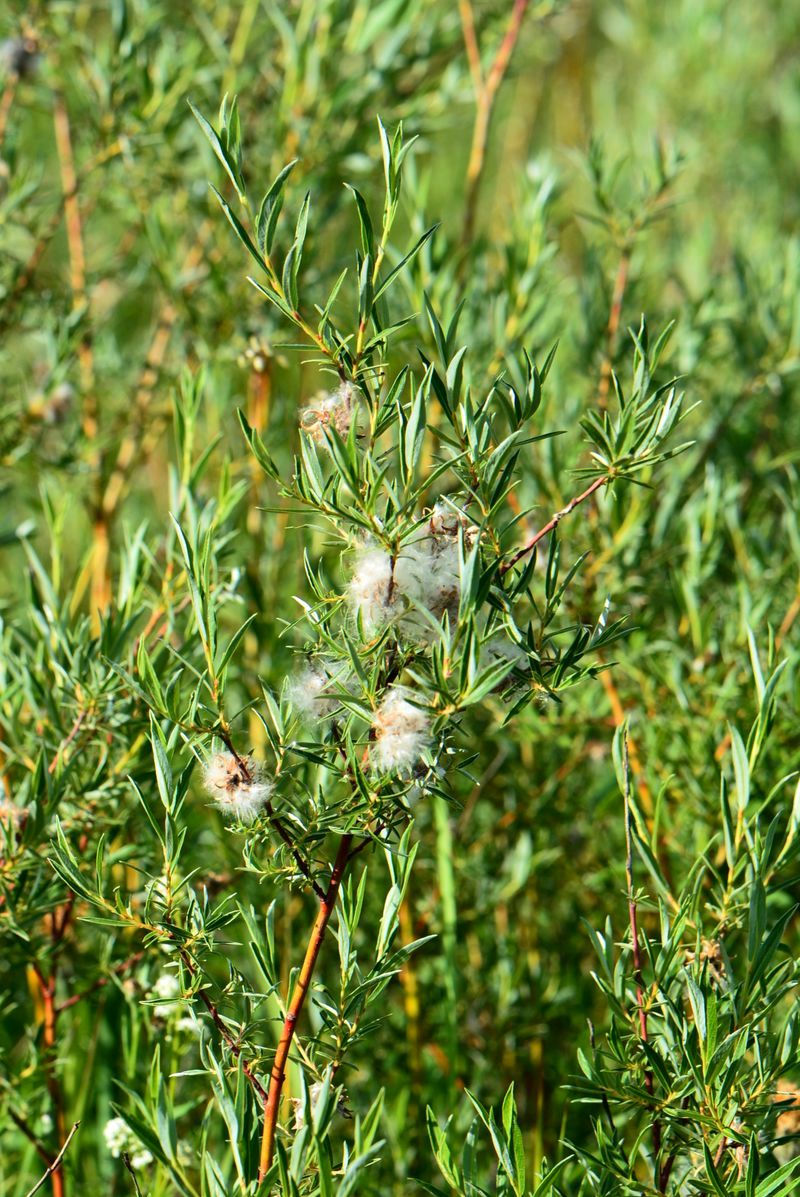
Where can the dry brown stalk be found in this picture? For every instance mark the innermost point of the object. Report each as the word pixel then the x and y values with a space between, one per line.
pixel 77 255
pixel 54 1169
pixel 486 90
pixel 139 439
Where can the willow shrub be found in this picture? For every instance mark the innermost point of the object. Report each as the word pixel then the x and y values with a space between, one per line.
pixel 397 670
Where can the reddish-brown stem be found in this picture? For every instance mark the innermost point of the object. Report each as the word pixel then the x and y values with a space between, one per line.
pixel 637 956
pixel 485 95
pixel 302 986
pixel 665 1173
pixel 59 921
pixel 531 544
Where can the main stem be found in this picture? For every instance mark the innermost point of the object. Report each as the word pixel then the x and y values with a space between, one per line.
pixel 278 1074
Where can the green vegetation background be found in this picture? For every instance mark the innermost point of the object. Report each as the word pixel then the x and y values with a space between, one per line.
pixel 708 556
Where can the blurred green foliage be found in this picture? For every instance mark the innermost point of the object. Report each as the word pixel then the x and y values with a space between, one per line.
pixel 641 159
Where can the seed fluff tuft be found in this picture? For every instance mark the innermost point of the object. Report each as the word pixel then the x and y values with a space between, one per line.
pixel 309 691
pixel 401 732
pixel 238 785
pixel 373 590
pixel 332 409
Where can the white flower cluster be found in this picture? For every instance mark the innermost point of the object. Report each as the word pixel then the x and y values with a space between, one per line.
pixel 238 785
pixel 426 574
pixel 119 1137
pixel 309 691
pixel 401 732
pixel 332 409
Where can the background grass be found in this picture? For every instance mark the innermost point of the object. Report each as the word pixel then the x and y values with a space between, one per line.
pixel 704 564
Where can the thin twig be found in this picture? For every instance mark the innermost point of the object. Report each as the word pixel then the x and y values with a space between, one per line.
pixel 471 44
pixel 553 523
pixel 302 986
pixel 64 745
pixel 485 97
pixel 47 988
pixel 55 1166
pixel 232 1044
pixel 301 863
pixel 126 1159
pixel 234 1047
pixel 77 253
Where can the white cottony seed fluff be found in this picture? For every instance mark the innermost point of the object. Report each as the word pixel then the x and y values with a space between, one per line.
pixel 426 574
pixel 238 785
pixel 334 409
pixel 373 590
pixel 309 691
pixel 401 732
